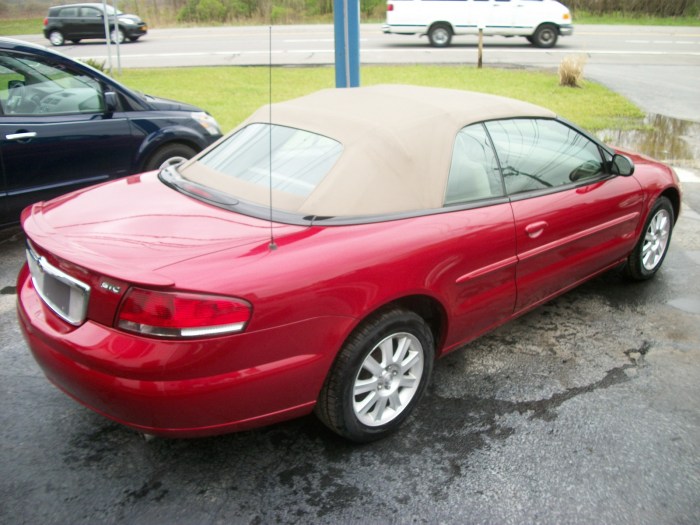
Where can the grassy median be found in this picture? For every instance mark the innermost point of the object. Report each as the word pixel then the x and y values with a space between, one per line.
pixel 233 93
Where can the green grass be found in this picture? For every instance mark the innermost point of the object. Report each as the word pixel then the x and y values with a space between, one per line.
pixel 233 93
pixel 21 26
pixel 583 17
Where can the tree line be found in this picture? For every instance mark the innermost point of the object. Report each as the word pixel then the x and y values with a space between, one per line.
pixel 661 8
pixel 276 11
pixel 159 12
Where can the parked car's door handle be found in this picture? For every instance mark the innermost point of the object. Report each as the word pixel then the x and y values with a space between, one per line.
pixel 23 135
pixel 535 229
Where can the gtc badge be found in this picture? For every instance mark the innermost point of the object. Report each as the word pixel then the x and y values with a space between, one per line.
pixel 110 287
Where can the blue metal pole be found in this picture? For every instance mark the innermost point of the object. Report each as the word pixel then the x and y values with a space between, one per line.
pixel 346 18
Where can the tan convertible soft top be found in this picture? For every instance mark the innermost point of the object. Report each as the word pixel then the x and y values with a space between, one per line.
pixel 397 146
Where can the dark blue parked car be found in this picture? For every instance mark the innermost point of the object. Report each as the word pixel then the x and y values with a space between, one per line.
pixel 65 125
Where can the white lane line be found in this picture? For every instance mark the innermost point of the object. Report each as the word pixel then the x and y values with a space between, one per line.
pixel 451 51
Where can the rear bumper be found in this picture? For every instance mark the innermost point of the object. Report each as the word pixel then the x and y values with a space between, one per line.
pixel 147 384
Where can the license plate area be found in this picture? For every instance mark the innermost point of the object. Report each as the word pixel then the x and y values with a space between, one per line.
pixel 66 296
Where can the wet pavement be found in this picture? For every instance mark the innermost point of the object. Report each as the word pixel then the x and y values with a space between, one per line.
pixel 586 410
pixel 675 141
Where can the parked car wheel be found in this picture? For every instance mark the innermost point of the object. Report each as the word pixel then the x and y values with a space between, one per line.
pixel 440 35
pixel 169 155
pixel 117 35
pixel 545 36
pixel 379 376
pixel 649 254
pixel 56 38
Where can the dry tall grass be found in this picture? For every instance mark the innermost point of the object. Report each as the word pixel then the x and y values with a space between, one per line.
pixel 571 70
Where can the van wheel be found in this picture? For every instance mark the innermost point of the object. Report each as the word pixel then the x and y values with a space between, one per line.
pixel 378 377
pixel 440 35
pixel 545 36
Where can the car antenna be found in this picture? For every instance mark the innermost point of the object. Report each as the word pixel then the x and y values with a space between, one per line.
pixel 272 245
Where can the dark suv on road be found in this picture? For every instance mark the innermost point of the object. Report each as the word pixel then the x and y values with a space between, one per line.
pixel 75 22
pixel 65 125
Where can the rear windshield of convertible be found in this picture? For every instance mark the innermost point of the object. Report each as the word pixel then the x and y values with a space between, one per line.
pixel 264 156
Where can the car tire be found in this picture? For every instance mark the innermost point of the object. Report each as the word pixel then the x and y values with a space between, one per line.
pixel 650 251
pixel 169 155
pixel 378 377
pixel 117 36
pixel 545 36
pixel 56 38
pixel 440 35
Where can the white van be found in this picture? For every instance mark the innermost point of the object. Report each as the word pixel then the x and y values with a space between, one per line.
pixel 540 21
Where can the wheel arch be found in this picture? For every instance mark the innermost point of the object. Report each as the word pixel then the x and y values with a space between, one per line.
pixel 443 23
pixel 163 138
pixel 674 196
pixel 425 306
pixel 555 25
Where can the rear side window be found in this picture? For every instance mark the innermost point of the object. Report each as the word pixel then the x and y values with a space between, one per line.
pixel 474 173
pixel 68 12
pixel 537 154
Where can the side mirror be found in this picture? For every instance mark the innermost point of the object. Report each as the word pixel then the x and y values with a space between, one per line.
pixel 621 165
pixel 111 102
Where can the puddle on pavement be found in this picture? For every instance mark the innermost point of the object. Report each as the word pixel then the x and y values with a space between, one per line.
pixel 686 304
pixel 674 141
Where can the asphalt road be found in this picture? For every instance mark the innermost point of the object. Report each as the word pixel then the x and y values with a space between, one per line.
pixel 586 410
pixel 656 67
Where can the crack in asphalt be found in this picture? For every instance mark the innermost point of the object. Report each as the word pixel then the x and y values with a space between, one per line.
pixel 491 408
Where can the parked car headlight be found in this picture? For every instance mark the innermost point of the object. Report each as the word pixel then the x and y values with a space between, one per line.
pixel 207 122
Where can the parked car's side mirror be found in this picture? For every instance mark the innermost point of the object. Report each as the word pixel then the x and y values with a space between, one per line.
pixel 621 165
pixel 111 102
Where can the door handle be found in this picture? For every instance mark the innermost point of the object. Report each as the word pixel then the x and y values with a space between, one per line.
pixel 535 229
pixel 22 135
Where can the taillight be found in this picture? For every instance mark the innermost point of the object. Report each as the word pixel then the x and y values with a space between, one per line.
pixel 179 314
pixel 46 22
pixel 389 7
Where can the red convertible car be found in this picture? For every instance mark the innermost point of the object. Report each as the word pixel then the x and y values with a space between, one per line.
pixel 322 255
